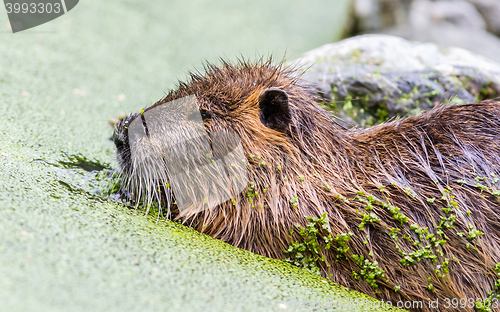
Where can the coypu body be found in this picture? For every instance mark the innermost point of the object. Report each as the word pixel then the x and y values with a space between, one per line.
pixel 411 205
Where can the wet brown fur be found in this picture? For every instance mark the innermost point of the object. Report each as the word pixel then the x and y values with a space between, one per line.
pixel 403 163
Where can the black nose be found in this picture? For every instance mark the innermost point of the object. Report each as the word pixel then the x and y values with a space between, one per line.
pixel 118 142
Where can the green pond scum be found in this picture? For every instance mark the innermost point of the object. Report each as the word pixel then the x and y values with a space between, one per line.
pixel 143 256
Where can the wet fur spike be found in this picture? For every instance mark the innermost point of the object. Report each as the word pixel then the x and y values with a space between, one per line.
pixel 435 173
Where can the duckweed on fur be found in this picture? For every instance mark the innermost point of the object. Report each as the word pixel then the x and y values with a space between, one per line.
pixel 307 253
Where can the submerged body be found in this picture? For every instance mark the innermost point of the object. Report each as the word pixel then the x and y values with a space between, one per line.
pixel 412 205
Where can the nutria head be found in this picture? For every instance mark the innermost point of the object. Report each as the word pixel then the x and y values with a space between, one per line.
pixel 276 119
pixel 412 205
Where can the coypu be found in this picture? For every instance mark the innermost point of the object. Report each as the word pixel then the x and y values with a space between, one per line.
pixel 411 205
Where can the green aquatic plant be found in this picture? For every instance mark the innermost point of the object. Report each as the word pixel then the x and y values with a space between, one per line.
pixel 370 271
pixel 315 238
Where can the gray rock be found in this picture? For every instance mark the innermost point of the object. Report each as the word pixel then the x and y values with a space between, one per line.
pixel 461 23
pixel 490 10
pixel 372 78
pixel 449 23
pixel 447 35
pixel 458 12
pixel 372 15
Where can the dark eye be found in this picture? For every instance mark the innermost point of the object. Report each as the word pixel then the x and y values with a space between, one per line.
pixel 205 114
pixel 196 115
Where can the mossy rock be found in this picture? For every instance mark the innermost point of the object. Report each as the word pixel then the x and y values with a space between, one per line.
pixel 370 79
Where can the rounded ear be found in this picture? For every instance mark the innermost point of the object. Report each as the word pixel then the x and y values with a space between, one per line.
pixel 274 109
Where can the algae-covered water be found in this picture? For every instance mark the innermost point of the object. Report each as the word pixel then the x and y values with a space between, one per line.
pixel 62 247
